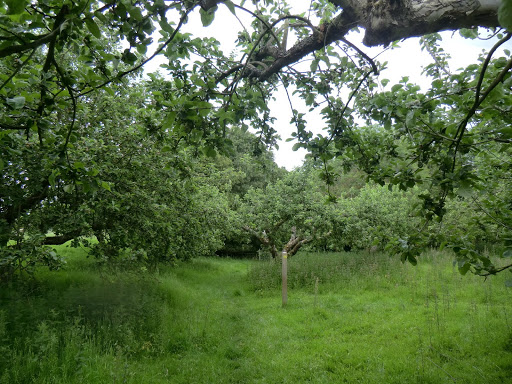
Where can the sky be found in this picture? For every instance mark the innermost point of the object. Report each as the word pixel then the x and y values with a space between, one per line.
pixel 408 60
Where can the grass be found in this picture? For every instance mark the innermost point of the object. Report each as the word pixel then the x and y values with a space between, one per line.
pixel 351 318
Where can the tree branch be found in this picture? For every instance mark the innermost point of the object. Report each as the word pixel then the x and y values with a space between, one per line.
pixel 388 21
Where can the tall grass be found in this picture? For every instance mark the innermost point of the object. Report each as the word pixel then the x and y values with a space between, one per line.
pixel 353 317
pixel 403 323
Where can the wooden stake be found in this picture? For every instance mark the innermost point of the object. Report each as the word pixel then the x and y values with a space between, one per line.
pixel 284 278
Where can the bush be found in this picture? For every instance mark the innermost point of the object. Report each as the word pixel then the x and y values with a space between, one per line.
pixel 372 217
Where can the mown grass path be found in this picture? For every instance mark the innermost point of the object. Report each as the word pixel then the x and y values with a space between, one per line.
pixel 351 318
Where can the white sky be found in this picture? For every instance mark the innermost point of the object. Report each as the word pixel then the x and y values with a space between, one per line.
pixel 408 60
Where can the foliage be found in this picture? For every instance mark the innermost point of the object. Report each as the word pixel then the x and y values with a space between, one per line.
pixel 287 214
pixel 67 67
pixel 440 140
pixel 253 160
pixel 86 151
pixel 121 181
pixel 25 258
pixel 505 14
pixel 372 217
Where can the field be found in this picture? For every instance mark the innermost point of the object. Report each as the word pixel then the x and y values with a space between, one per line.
pixel 351 318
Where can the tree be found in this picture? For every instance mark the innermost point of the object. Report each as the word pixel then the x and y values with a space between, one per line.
pixel 372 217
pixel 286 215
pixel 246 163
pixel 58 54
pixel 435 139
pixel 137 192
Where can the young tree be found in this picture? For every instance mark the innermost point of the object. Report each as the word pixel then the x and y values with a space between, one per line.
pixel 286 215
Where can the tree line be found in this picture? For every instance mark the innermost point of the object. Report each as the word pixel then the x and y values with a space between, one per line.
pixel 163 168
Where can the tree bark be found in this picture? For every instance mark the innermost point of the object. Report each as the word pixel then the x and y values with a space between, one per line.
pixel 387 21
pixel 295 243
pixel 61 239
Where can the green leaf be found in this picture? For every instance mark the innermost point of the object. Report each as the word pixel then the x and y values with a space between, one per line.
pixel 93 27
pixel 164 24
pixel 396 87
pixel 469 33
pixel 437 84
pixel 129 57
pixel 297 146
pixel 142 49
pixel 93 172
pixel 169 120
pixel 412 260
pixel 195 135
pixel 78 165
pixel 100 16
pixel 314 65
pixel 465 191
pixel 410 117
pixel 505 133
pixel 209 151
pixel 464 268
pixel 106 186
pixel 69 188
pixel 230 6
pixel 17 102
pixel 505 14
pixel 51 178
pixel 207 16
pixel 15 7
pixel 507 253
pixel 135 13
pixel 508 283
pixel 2 164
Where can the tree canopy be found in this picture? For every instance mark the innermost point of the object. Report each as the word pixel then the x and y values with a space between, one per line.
pixel 83 137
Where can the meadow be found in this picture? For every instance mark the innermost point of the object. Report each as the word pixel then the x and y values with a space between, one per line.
pixel 351 318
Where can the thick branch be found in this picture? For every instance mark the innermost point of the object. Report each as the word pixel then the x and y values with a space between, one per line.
pixel 386 21
pixel 44 39
pixel 61 239
pixel 12 49
pixel 297 242
pixel 15 211
pixel 264 239
pixel 322 36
